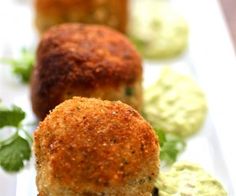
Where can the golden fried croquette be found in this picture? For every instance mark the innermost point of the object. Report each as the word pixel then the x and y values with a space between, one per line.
pixel 85 60
pixel 109 12
pixel 87 146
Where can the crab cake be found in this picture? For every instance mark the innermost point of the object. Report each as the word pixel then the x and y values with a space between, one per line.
pixel 88 61
pixel 87 146
pixel 109 12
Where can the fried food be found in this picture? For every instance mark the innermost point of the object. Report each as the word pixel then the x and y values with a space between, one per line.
pixel 85 60
pixel 87 146
pixel 109 12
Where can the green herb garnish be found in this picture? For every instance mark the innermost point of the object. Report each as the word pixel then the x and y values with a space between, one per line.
pixel 171 146
pixel 14 150
pixel 11 117
pixel 13 154
pixel 23 66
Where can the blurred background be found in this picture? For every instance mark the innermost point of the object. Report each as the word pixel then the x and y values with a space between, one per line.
pixel 23 15
pixel 229 8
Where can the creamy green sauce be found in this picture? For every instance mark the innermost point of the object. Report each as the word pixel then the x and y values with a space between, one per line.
pixel 185 179
pixel 175 104
pixel 157 30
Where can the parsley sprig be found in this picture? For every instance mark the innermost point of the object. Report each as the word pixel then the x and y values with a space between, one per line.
pixel 16 149
pixel 22 66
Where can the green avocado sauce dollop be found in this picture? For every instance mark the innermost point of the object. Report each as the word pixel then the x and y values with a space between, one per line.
pixel 157 30
pixel 187 179
pixel 175 104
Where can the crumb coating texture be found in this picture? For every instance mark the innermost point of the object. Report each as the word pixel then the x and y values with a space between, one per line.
pixel 109 12
pixel 84 60
pixel 92 147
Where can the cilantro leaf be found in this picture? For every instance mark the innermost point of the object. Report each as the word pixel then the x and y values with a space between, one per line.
pixel 15 149
pixel 171 146
pixel 11 117
pixel 23 66
pixel 169 152
pixel 161 136
pixel 13 154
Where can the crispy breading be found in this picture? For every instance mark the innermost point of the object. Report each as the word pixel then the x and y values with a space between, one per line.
pixel 84 60
pixel 87 146
pixel 109 12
